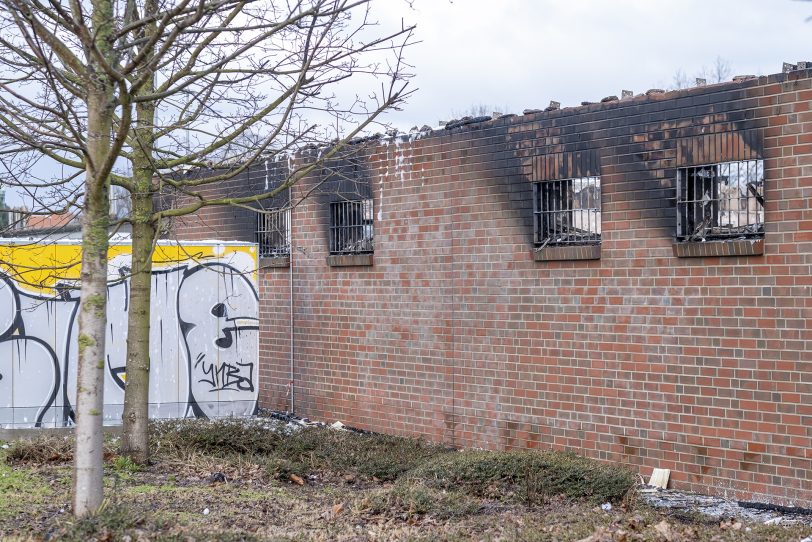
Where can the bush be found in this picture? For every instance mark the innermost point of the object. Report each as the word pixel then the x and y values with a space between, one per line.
pixel 49 448
pixel 381 456
pixel 214 437
pixel 529 476
pixel 313 448
pixel 41 449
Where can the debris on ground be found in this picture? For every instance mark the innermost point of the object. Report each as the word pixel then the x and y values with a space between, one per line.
pixel 217 478
pixel 722 508
pixel 659 478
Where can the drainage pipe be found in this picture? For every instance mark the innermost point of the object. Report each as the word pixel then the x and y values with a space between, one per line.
pixel 290 300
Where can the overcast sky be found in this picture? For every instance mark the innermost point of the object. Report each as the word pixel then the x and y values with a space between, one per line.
pixel 512 55
pixel 520 54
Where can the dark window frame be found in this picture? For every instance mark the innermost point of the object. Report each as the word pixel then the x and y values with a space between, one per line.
pixel 711 197
pixel 565 217
pixel 273 232
pixel 352 227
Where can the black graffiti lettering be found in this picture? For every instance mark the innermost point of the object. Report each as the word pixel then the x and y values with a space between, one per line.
pixel 239 377
pixel 219 310
pixel 226 340
pixel 55 344
pixel 242 383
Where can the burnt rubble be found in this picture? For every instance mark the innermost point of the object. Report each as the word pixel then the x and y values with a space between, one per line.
pixel 450 125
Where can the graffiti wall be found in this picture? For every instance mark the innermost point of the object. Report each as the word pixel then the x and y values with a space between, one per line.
pixel 203 339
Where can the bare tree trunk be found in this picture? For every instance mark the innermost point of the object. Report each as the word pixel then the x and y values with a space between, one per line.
pixel 134 441
pixel 88 463
pixel 88 489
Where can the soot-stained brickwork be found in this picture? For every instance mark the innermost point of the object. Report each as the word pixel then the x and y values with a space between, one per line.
pixel 458 331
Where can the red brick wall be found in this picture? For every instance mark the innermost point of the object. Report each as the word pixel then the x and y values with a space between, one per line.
pixel 700 365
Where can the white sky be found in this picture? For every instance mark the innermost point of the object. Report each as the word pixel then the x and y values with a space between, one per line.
pixel 520 54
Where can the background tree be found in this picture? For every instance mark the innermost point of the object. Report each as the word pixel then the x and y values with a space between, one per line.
pixel 479 110
pixel 718 72
pixel 4 215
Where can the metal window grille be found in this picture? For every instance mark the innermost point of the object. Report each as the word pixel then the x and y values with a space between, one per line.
pixel 567 212
pixel 351 227
pixel 721 201
pixel 273 233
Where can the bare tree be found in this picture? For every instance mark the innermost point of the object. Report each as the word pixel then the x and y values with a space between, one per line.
pixel 244 82
pixel 61 98
pixel 479 110
pixel 680 80
pixel 170 85
pixel 719 72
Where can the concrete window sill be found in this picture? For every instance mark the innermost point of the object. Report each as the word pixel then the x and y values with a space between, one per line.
pixel 733 247
pixel 553 254
pixel 349 260
pixel 275 261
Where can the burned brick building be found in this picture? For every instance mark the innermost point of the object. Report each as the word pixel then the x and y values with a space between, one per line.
pixel 630 280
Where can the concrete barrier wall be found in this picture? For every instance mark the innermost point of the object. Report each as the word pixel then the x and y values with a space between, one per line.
pixel 203 341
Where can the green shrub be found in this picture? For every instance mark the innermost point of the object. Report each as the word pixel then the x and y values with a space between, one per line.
pixel 372 455
pixel 214 437
pixel 124 464
pixel 526 475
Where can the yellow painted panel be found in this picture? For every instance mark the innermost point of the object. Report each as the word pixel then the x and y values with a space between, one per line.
pixel 40 267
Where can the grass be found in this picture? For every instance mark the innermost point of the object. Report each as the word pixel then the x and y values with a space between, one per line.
pixel 19 489
pixel 353 487
pixel 417 499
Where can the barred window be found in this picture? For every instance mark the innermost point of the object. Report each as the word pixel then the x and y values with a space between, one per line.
pixel 721 201
pixel 567 212
pixel 273 233
pixel 351 227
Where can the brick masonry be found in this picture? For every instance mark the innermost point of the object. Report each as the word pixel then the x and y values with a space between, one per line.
pixel 699 364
